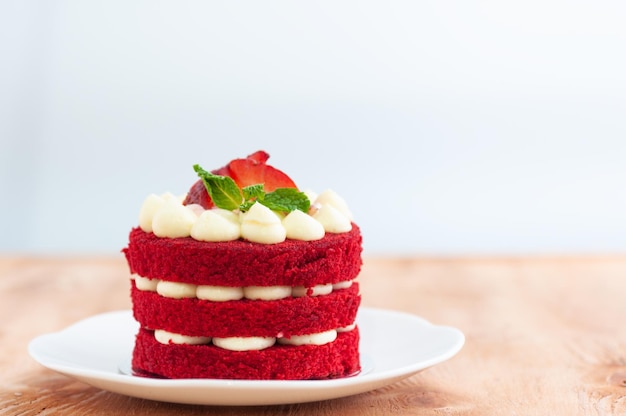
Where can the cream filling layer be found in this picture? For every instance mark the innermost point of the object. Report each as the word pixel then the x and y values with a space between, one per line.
pixel 251 343
pixel 178 290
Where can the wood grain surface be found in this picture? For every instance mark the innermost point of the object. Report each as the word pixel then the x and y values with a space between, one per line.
pixel 544 336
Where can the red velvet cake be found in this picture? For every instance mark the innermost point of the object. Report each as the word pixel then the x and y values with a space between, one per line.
pixel 245 277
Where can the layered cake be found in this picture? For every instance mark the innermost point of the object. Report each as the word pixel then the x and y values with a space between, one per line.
pixel 245 277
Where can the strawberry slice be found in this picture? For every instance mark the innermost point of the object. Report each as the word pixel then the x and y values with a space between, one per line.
pixel 245 172
pixel 198 195
pixel 259 156
pixel 253 170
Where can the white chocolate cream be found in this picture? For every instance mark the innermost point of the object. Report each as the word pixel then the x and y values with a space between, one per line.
pixel 267 292
pixel 244 343
pixel 165 337
pixel 317 290
pixel 342 285
pixel 173 220
pixel 176 290
pixel 331 198
pixel 251 343
pixel 167 217
pixel 219 293
pixel 261 225
pixel 332 219
pixel 347 328
pixel 300 226
pixel 145 284
pixel 319 338
pixel 216 225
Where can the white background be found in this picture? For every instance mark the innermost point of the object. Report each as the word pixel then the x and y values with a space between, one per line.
pixel 450 127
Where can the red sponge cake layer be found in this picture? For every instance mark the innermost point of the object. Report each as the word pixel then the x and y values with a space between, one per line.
pixel 339 358
pixel 334 258
pixel 290 316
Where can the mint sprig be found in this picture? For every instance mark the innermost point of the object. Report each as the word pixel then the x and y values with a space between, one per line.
pixel 286 199
pixel 225 194
pixel 223 191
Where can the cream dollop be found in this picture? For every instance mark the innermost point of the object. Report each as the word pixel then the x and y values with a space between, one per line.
pixel 312 195
pixel 319 338
pixel 176 290
pixel 342 285
pixel 244 343
pixel 145 284
pixel 330 197
pixel 216 225
pixel 266 292
pixel 332 219
pixel 317 290
pixel 165 337
pixel 173 220
pixel 261 225
pixel 347 328
pixel 150 206
pixel 219 293
pixel 300 226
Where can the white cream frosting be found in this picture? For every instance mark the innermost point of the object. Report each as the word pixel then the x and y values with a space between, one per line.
pixel 196 209
pixel 342 285
pixel 165 337
pixel 347 328
pixel 145 284
pixel 312 195
pixel 266 292
pixel 166 216
pixel 331 198
pixel 177 290
pixel 251 343
pixel 300 226
pixel 219 293
pixel 332 219
pixel 318 290
pixel 150 206
pixel 261 225
pixel 319 338
pixel 216 225
pixel 244 343
pixel 173 220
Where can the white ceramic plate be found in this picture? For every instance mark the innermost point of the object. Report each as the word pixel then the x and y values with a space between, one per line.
pixel 394 346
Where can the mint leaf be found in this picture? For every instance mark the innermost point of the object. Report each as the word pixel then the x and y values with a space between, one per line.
pixel 286 199
pixel 246 205
pixel 253 192
pixel 223 191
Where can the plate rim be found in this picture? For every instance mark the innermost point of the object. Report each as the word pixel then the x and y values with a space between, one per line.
pixel 353 385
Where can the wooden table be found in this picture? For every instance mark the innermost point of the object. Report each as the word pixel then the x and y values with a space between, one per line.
pixel 544 336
